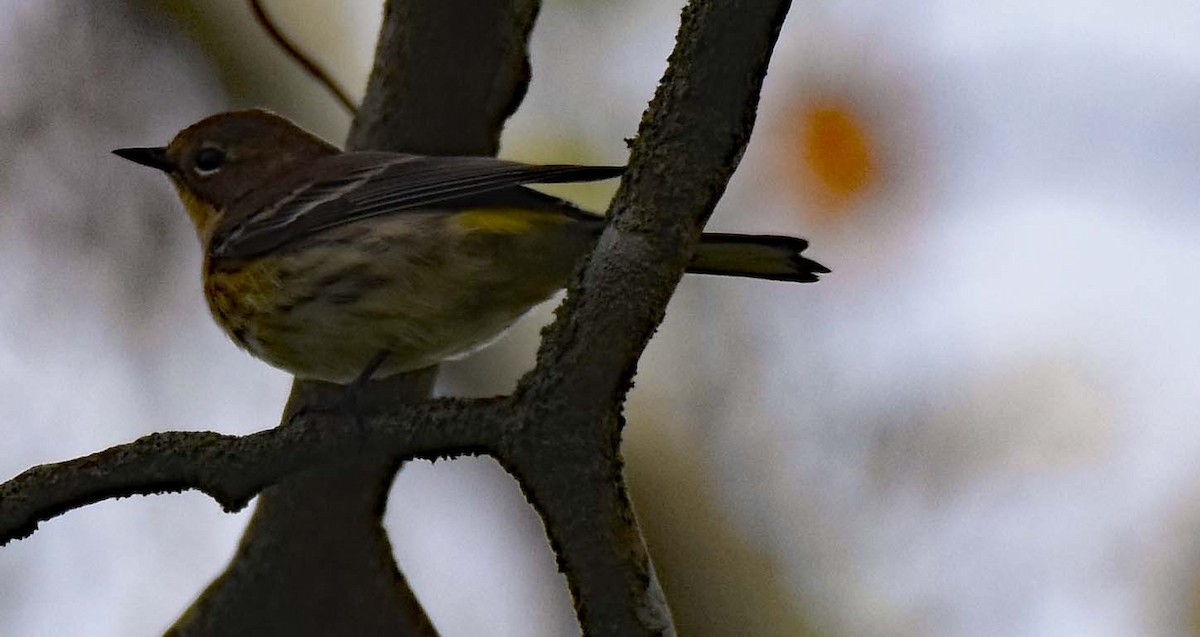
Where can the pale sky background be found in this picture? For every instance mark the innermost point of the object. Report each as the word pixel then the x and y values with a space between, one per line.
pixel 983 423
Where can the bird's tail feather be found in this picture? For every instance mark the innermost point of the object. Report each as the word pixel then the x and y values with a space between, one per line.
pixel 756 256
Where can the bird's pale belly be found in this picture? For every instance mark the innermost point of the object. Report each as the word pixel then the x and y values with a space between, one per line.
pixel 326 312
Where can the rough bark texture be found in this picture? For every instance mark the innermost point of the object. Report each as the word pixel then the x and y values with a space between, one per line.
pixel 234 469
pixel 567 457
pixel 314 559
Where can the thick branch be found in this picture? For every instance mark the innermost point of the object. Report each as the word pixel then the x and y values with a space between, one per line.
pixel 464 70
pixel 567 458
pixel 233 469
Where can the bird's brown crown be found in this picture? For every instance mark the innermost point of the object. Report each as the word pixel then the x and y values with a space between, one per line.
pixel 221 158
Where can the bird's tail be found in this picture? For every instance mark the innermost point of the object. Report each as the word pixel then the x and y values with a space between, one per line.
pixel 756 256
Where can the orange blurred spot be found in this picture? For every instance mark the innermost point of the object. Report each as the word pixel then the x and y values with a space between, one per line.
pixel 837 152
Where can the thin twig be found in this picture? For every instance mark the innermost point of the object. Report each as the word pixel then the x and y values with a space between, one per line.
pixel 300 57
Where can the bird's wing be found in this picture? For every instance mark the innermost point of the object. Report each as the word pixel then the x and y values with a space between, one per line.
pixel 355 186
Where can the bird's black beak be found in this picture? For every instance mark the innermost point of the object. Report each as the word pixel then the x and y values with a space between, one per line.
pixel 152 157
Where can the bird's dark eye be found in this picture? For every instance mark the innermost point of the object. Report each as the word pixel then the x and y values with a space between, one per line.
pixel 208 160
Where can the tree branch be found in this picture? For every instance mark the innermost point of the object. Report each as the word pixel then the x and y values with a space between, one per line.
pixel 465 70
pixel 567 459
pixel 234 469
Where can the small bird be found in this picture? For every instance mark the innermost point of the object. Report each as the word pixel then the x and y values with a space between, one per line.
pixel 345 266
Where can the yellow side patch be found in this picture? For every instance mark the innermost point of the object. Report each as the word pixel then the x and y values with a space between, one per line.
pixel 506 220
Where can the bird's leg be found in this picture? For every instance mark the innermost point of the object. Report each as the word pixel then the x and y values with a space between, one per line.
pixel 373 366
pixel 349 402
pixel 343 400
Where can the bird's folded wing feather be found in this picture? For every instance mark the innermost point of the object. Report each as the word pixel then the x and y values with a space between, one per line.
pixel 368 185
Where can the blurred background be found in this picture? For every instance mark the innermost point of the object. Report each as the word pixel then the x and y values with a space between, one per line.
pixel 983 423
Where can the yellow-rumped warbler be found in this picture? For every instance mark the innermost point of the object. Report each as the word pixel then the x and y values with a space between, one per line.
pixel 339 265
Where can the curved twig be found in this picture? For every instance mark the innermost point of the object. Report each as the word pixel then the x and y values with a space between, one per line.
pixel 305 62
